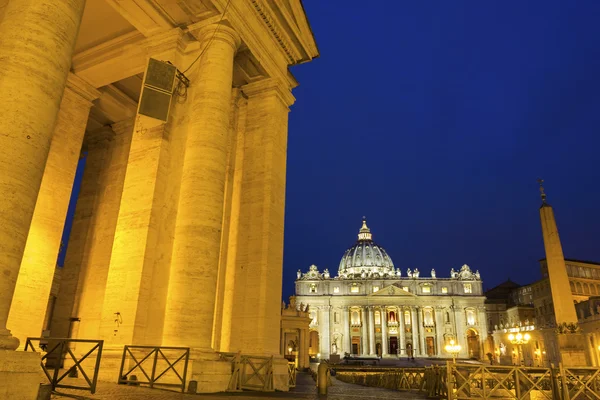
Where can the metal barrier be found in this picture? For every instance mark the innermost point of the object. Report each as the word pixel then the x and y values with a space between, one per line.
pixel 59 348
pixel 388 378
pixel 250 372
pixel 292 374
pixel 522 383
pixel 482 382
pixel 151 353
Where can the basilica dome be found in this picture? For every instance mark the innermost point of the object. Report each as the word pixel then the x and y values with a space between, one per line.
pixel 365 258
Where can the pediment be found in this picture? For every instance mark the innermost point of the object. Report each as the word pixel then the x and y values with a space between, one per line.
pixel 392 290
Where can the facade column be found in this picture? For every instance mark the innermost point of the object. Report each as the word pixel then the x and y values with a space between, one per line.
pixel 32 291
pixel 371 331
pixel 325 337
pixel 439 330
pixel 302 349
pixel 402 343
pixel 190 303
pixel 346 322
pixel 364 340
pixel 423 351
pixel 384 339
pixel 415 336
pixel 259 248
pixel 37 43
pixel 461 332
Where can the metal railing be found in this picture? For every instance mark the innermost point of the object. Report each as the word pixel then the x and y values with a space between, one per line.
pixel 59 348
pixel 160 365
pixel 292 374
pixel 250 372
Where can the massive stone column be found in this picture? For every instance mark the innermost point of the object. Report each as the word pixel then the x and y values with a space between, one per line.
pixel 384 338
pixel 83 282
pixel 191 295
pixel 371 332
pixel 30 300
pixel 401 328
pixel 262 207
pixel 36 44
pixel 135 248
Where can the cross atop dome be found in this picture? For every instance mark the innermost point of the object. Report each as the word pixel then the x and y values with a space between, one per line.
pixel 365 232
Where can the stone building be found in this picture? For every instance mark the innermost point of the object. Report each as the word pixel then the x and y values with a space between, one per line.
pixel 512 308
pixel 295 339
pixel 159 235
pixel 545 310
pixel 369 308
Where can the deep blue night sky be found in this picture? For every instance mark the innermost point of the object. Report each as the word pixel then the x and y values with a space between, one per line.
pixel 434 119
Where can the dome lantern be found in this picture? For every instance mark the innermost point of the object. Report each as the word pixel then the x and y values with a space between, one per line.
pixel 366 258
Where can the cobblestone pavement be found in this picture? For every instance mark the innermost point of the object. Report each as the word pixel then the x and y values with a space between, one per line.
pixel 305 389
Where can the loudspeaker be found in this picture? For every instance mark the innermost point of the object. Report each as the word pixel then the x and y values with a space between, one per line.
pixel 157 92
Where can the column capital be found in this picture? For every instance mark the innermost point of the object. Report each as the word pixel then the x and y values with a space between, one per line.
pixel 213 32
pixel 79 86
pixel 268 87
pixel 97 137
pixel 124 126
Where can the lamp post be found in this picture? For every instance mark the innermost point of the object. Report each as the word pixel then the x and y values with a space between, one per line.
pixel 519 339
pixel 453 348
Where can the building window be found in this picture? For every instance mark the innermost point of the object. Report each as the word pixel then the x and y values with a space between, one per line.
pixel 407 317
pixel 444 290
pixel 313 288
pixel 470 317
pixel 468 288
pixel 375 289
pixel 426 289
pixel 354 289
pixel 336 317
pixel 377 318
pixel 405 288
pixel 336 289
pixel 355 318
pixel 447 317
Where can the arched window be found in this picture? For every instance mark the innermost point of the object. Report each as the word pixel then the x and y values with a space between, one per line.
pixel 355 317
pixel 392 316
pixel 578 287
pixel 447 317
pixel 586 288
pixel 407 317
pixel 377 318
pixel 572 286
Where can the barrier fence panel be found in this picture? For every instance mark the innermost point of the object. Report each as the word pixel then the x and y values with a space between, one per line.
pixel 155 363
pixel 292 374
pixel 59 349
pixel 250 372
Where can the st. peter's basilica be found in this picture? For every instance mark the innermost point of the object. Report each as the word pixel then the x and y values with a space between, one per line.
pixel 371 308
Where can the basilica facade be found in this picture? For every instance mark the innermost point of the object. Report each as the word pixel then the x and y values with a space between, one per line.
pixel 371 309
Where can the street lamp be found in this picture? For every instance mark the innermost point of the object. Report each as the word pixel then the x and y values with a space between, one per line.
pixel 453 348
pixel 519 339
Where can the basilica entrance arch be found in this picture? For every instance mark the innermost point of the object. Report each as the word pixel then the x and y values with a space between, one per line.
pixel 473 347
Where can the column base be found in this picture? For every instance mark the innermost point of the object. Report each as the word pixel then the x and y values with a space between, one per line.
pixel 20 375
pixel 8 341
